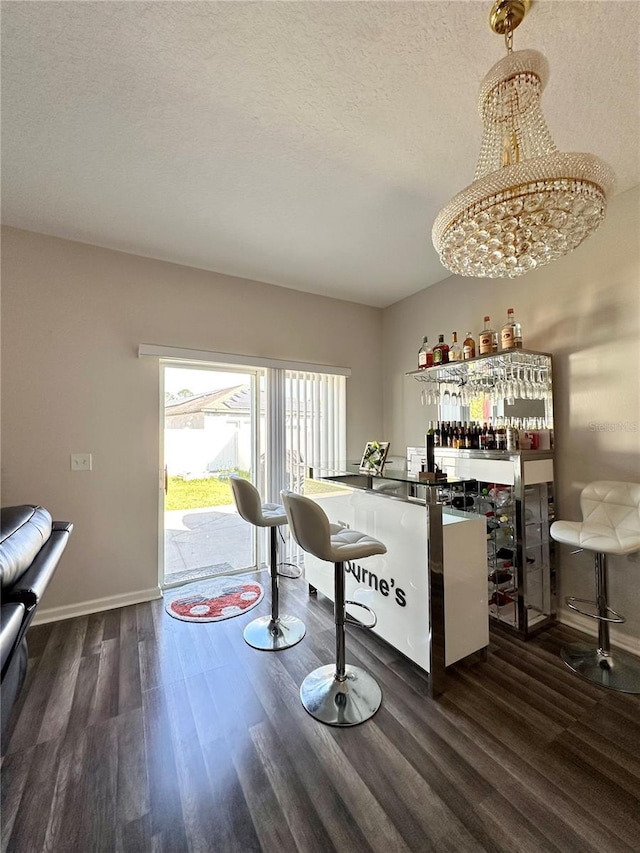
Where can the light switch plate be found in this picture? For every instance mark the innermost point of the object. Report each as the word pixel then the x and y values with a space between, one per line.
pixel 81 462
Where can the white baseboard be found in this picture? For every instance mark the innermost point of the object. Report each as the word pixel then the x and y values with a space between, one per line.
pixel 84 608
pixel 590 626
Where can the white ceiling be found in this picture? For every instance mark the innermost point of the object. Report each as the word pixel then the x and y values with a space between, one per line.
pixel 305 144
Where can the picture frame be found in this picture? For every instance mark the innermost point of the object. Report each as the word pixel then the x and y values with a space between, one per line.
pixel 374 456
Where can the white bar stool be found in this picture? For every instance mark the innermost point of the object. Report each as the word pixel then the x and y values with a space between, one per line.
pixel 275 632
pixel 610 525
pixel 337 694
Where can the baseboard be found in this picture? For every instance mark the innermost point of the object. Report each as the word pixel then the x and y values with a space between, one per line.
pixel 84 608
pixel 589 626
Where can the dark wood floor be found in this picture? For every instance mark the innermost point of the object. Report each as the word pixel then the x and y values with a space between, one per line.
pixel 137 732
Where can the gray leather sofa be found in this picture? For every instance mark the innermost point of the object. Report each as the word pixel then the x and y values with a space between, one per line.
pixel 31 545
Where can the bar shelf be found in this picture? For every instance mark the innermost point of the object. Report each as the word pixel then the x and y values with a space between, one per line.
pixel 488 365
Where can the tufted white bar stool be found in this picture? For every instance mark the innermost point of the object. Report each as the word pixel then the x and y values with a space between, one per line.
pixel 275 632
pixel 610 525
pixel 337 694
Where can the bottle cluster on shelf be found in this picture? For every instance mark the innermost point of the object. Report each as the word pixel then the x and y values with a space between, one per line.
pixel 488 341
pixel 497 502
pixel 502 434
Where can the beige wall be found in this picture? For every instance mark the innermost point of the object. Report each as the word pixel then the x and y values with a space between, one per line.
pixel 585 310
pixel 72 318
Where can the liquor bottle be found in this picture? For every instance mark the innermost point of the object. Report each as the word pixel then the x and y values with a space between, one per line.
pixel 425 354
pixel 511 335
pixel 501 437
pixel 441 351
pixel 469 347
pixel 491 438
pixel 488 340
pixel 517 332
pixel 455 353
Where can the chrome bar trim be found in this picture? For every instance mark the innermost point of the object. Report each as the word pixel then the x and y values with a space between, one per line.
pixel 435 568
pixel 519 544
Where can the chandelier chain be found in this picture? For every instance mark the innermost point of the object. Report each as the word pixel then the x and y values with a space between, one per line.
pixel 508 32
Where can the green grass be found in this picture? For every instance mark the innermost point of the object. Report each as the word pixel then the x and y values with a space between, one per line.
pixel 211 491
pixel 195 494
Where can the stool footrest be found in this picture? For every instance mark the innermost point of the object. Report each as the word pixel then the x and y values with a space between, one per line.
pixel 351 620
pixel 572 602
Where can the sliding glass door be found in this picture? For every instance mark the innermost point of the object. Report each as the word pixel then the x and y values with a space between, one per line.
pixel 267 424
pixel 213 426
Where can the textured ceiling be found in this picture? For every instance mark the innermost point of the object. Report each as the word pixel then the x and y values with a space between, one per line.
pixel 306 144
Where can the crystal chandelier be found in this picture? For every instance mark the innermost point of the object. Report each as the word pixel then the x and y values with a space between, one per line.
pixel 529 203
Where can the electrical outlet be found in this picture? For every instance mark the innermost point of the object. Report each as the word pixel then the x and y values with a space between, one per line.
pixel 81 462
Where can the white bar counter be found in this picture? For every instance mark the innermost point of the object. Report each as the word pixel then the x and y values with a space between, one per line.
pixel 429 591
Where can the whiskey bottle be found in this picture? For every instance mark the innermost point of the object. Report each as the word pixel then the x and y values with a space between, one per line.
pixel 511 335
pixel 425 354
pixel 469 347
pixel 455 352
pixel 488 341
pixel 441 351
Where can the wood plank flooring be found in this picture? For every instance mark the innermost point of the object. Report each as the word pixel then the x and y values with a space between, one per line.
pixel 137 732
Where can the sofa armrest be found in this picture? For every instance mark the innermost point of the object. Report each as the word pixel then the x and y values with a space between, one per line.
pixel 11 616
pixel 30 587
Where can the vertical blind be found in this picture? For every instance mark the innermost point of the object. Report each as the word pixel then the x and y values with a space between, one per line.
pixel 315 429
pixel 315 422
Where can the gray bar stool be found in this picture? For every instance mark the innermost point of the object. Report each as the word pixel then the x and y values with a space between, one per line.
pixel 337 694
pixel 610 525
pixel 275 632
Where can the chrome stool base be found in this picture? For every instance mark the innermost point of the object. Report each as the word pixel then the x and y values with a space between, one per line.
pixel 340 703
pixel 270 636
pixel 615 670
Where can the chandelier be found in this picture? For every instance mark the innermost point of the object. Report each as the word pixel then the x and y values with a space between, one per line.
pixel 529 203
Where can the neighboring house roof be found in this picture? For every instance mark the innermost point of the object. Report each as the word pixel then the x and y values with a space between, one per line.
pixel 234 400
pixel 227 400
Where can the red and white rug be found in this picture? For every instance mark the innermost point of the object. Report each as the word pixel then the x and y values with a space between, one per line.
pixel 214 599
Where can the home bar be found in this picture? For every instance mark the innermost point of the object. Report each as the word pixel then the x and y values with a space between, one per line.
pixel 429 590
pixel 320 419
